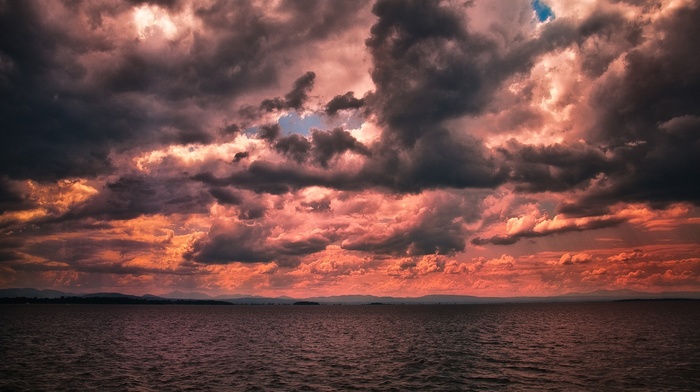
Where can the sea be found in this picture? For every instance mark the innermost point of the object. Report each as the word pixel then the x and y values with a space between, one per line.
pixel 613 346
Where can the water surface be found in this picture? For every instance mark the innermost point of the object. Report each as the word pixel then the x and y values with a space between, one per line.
pixel 645 346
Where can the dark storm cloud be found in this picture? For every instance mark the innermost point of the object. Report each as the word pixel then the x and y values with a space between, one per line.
pixel 230 130
pixel 63 113
pixel 229 242
pixel 327 144
pixel 317 206
pixel 225 196
pixel 616 35
pixel 438 229
pixel 304 247
pixel 648 119
pixel 556 167
pixel 240 156
pixel 251 211
pixel 131 196
pixel 436 160
pixel 84 255
pixel 429 67
pixel 323 147
pixel 269 132
pixel 278 179
pixel 12 197
pixel 9 255
pixel 161 3
pixel 75 250
pixel 249 208
pixel 294 99
pixel 413 92
pixel 57 120
pixel 643 144
pixel 299 94
pixel 294 146
pixel 416 241
pixel 9 249
pixel 344 102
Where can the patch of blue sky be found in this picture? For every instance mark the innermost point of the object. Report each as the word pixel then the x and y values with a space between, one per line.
pixel 292 122
pixel 542 11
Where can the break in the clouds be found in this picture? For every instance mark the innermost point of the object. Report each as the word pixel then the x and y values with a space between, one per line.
pixel 312 147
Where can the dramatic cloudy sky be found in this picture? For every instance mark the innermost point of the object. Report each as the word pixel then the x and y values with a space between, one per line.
pixel 348 147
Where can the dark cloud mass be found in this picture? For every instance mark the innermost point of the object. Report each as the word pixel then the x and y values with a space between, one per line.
pixel 64 113
pixel 269 132
pixel 420 79
pixel 294 146
pixel 225 196
pixel 435 231
pixel 229 242
pixel 132 196
pixel 344 102
pixel 326 145
pixel 647 117
pixel 294 99
pixel 240 156
pixel 11 196
pixel 429 67
pixel 555 167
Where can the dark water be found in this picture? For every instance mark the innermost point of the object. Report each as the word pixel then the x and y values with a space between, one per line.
pixel 648 346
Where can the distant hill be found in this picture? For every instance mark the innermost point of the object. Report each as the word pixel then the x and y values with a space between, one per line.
pixel 238 296
pixel 32 293
pixel 185 295
pixel 107 295
pixel 594 296
pixel 259 301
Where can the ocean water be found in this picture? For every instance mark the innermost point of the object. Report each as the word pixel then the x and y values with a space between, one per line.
pixel 644 346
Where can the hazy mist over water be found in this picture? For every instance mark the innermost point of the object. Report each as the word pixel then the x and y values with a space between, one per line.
pixel 575 346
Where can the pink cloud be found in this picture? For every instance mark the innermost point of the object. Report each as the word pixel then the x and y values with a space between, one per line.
pixel 149 149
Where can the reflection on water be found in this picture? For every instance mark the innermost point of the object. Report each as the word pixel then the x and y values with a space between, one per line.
pixel 604 346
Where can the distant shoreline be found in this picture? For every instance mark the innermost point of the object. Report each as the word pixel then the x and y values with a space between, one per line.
pixel 164 301
pixel 109 301
pixel 655 299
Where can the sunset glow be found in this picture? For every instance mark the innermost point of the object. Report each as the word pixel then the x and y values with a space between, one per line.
pixel 389 148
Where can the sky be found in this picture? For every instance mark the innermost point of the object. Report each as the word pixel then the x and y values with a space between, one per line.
pixel 306 148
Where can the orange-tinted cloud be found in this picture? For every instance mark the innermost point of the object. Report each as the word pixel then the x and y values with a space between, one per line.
pixel 384 147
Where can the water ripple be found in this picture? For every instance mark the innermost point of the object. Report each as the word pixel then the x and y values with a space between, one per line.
pixel 521 347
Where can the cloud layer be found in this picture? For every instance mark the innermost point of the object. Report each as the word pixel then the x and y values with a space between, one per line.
pixel 395 147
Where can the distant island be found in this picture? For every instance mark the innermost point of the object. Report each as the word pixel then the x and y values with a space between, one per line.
pixel 111 300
